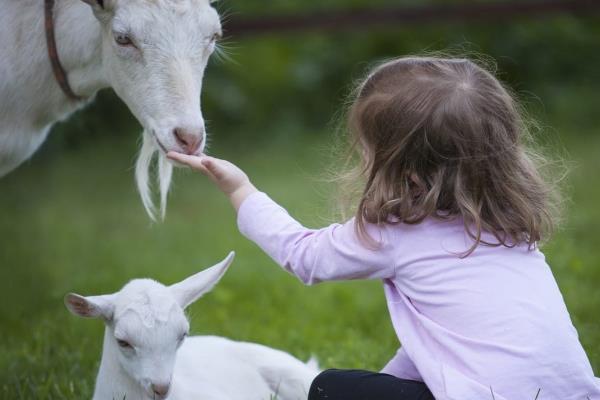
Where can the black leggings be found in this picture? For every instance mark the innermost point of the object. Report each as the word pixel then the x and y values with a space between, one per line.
pixel 339 384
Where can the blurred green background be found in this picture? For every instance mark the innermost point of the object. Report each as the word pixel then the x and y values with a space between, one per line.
pixel 72 220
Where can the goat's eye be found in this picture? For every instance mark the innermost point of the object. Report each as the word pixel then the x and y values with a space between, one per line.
pixel 216 37
pixel 123 39
pixel 124 344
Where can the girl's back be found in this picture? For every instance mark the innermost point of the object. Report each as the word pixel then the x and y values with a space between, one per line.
pixel 493 319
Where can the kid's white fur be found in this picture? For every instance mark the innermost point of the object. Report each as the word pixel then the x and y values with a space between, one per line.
pixel 150 316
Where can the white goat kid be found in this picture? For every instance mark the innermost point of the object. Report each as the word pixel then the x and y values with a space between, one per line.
pixel 153 53
pixel 146 354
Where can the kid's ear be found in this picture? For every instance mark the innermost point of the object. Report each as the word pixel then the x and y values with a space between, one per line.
pixel 191 289
pixel 91 306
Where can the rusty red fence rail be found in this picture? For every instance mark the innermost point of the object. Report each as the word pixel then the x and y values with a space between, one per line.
pixel 357 19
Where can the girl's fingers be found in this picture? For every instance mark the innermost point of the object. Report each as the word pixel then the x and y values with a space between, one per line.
pixel 191 161
pixel 214 167
pixel 204 170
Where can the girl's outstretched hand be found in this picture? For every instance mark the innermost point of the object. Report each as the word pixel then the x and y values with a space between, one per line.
pixel 228 177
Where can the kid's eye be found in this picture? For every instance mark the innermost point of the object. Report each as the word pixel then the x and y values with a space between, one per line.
pixel 124 344
pixel 123 39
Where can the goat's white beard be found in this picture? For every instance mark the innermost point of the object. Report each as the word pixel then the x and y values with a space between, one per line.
pixel 142 176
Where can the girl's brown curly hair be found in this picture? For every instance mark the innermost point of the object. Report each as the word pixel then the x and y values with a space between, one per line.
pixel 442 138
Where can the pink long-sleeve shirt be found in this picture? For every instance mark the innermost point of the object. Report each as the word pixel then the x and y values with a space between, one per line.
pixel 493 321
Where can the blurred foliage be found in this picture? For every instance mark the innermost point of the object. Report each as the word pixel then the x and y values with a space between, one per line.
pixel 305 77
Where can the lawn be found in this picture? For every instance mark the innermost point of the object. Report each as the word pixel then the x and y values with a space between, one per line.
pixel 72 221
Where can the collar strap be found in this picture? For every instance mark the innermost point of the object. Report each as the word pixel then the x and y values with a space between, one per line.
pixel 57 68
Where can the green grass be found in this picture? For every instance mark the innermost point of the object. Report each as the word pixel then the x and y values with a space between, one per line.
pixel 71 221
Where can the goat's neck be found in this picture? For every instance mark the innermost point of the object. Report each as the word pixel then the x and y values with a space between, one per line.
pixel 79 41
pixel 30 98
pixel 112 382
pixel 39 101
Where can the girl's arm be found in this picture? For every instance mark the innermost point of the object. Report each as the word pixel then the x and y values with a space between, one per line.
pixel 313 255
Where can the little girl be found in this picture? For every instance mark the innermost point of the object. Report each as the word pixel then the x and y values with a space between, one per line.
pixel 450 218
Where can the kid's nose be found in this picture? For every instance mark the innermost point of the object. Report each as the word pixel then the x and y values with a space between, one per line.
pixel 161 390
pixel 188 139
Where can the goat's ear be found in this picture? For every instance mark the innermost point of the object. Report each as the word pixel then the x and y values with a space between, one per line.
pixel 91 306
pixel 99 4
pixel 191 289
pixel 95 3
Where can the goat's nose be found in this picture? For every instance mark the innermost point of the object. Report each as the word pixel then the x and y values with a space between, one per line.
pixel 161 390
pixel 190 140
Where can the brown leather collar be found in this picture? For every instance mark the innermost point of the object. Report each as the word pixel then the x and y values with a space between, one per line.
pixel 57 68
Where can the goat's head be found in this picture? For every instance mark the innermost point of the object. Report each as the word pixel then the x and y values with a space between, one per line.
pixel 154 53
pixel 146 324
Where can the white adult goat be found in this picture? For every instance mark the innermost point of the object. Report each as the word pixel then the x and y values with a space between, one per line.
pixel 153 53
pixel 146 354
